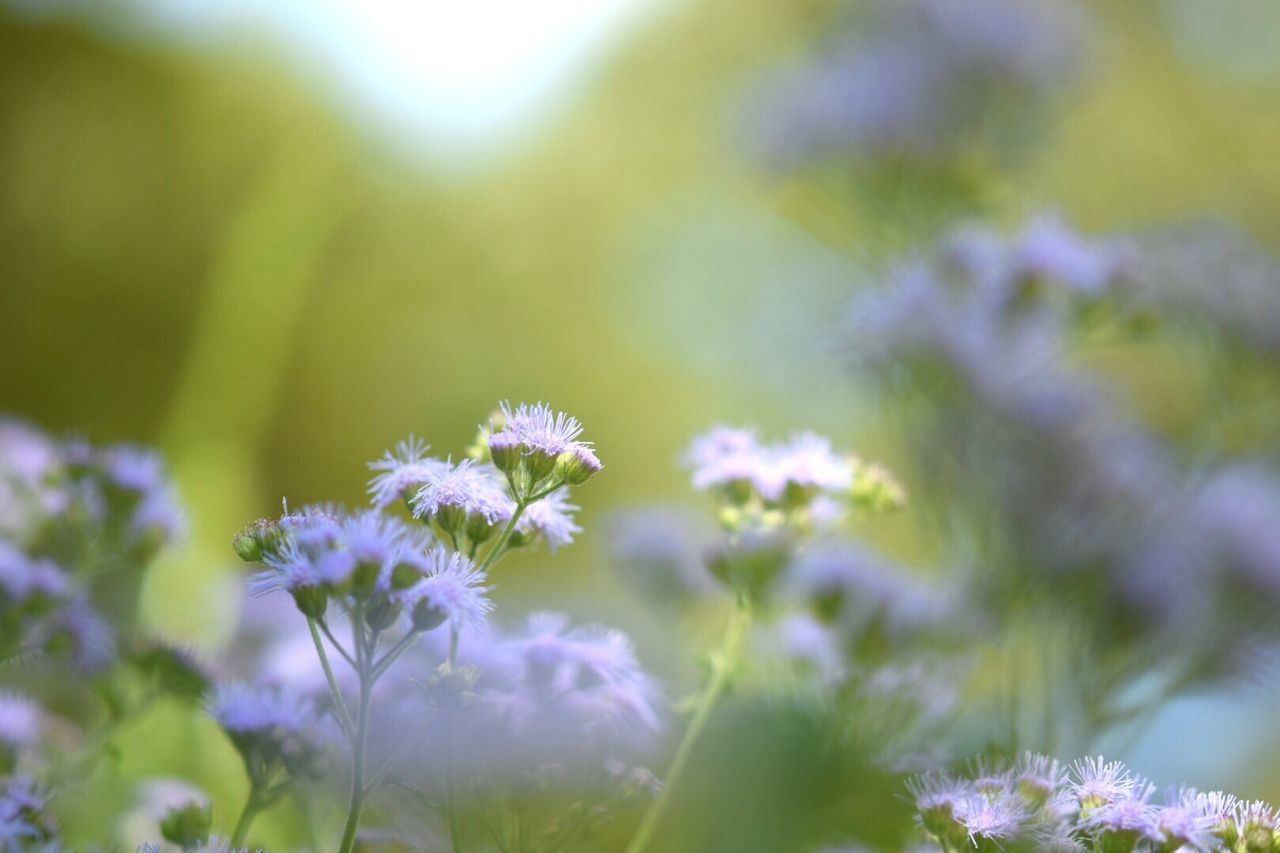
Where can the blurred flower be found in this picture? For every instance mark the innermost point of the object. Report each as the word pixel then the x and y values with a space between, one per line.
pixel 924 79
pixel 552 517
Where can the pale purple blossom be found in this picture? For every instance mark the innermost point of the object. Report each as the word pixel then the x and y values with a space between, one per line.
pixel 20 720
pixel 552 517
pixel 468 488
pixel 402 472
pixel 241 708
pixel 452 588
pixel 540 429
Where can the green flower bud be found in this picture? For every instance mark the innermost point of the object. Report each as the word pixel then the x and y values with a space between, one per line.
pixel 426 616
pixel 258 539
pixel 187 826
pixel 313 601
pixel 576 466
pixel 505 451
pixel 380 614
pixel 874 488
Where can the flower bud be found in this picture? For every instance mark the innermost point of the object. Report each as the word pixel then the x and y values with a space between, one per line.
pixel 381 613
pixel 188 826
pixel 257 540
pixel 578 465
pixel 426 616
pixel 312 601
pixel 505 451
pixel 404 575
pixel 539 464
pixel 874 488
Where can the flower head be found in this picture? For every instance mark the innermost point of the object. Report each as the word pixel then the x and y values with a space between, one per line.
pixel 1098 782
pixel 552 517
pixel 452 590
pixel 402 472
pixel 20 720
pixel 541 430
pixel 241 708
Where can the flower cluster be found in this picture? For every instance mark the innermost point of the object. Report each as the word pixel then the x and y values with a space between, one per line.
pixel 24 823
pixel 568 695
pixel 802 480
pixel 1037 803
pixel 922 79
pixel 1084 496
pixel 69 513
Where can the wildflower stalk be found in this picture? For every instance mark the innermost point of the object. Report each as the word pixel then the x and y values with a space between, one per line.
pixel 455 832
pixel 251 808
pixel 339 706
pixel 723 663
pixel 364 657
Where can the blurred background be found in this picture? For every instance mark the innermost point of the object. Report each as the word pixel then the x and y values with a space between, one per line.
pixel 275 238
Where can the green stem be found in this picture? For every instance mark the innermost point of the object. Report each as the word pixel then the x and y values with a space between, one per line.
pixel 364 654
pixel 393 653
pixel 339 706
pixel 501 542
pixel 722 666
pixel 247 814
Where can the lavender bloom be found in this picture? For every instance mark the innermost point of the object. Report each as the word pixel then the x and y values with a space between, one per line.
pixel 541 430
pixel 323 550
pixel 806 640
pixel 1126 820
pixel 30 468
pixel 929 75
pixel 20 720
pixel 991 820
pixel 552 517
pixel 1047 249
pixel 856 590
pixel 723 457
pixel 22 578
pixel 457 492
pixel 660 550
pixel 243 709
pixel 1183 823
pixel 1098 782
pixel 23 824
pixel 402 472
pixel 452 591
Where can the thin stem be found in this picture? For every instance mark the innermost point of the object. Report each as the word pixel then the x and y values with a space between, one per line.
pixel 722 666
pixel 501 542
pixel 364 655
pixel 339 706
pixel 401 646
pixel 247 814
pixel 455 832
pixel 324 626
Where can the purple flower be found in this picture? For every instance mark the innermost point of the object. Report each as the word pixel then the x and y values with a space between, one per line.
pixel 724 456
pixel 241 708
pixel 1130 818
pixel 552 517
pixel 20 720
pixel 991 818
pixel 1048 249
pixel 541 430
pixel 402 472
pixel 22 577
pixel 1182 822
pixel 1098 782
pixel 452 590
pixel 465 489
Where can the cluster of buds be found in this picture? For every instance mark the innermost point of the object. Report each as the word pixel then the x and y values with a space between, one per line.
pixel 800 484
